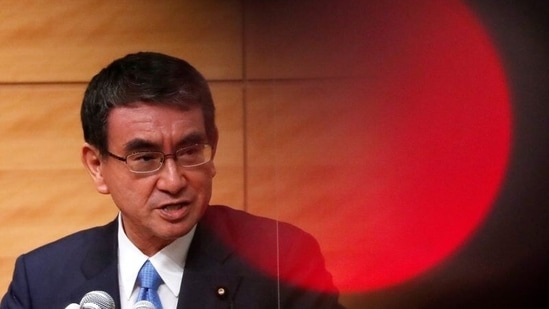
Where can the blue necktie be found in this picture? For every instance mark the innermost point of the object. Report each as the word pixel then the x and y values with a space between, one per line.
pixel 149 281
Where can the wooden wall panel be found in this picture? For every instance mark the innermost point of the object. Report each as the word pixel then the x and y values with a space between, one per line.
pixel 228 186
pixel 43 41
pixel 46 193
pixel 309 39
pixel 40 127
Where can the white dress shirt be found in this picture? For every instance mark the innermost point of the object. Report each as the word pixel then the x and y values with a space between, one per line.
pixel 168 262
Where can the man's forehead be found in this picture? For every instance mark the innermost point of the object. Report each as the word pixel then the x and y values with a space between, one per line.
pixel 153 124
pixel 154 114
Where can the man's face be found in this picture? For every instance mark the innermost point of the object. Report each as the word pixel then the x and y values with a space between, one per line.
pixel 161 206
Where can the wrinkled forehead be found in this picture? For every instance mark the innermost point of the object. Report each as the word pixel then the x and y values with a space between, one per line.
pixel 154 125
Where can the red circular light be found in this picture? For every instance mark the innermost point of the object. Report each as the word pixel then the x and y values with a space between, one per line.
pixel 392 172
pixel 442 126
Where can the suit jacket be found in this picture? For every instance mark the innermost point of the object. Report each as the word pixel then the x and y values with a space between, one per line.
pixel 257 262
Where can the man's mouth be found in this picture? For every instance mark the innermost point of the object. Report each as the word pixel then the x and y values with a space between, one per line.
pixel 175 210
pixel 174 207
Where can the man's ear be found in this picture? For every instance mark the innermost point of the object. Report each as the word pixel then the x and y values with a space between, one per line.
pixel 91 158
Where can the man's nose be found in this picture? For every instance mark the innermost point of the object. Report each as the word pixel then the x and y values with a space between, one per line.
pixel 171 178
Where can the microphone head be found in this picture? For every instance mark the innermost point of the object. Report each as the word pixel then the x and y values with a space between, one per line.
pixel 143 304
pixel 73 306
pixel 97 300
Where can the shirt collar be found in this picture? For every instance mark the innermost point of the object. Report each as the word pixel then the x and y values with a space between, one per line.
pixel 168 262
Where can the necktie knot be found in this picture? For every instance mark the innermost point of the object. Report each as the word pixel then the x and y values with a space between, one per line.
pixel 148 277
pixel 149 280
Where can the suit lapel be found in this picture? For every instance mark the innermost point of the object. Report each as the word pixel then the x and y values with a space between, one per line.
pixel 100 265
pixel 208 281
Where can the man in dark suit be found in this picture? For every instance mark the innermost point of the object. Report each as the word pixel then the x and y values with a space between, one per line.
pixel 150 138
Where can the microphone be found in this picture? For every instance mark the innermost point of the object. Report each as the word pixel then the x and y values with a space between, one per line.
pixel 97 300
pixel 143 304
pixel 73 306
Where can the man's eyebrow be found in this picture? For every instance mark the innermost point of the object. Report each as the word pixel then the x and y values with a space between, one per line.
pixel 139 144
pixel 193 138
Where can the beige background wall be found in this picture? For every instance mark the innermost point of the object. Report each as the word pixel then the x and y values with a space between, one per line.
pixel 50 50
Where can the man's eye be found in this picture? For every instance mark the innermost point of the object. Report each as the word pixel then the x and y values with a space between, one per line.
pixel 190 151
pixel 144 157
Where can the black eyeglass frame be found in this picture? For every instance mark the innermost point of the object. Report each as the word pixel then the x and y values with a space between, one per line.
pixel 206 147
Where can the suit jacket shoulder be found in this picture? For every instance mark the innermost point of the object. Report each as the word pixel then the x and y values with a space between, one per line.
pixel 61 272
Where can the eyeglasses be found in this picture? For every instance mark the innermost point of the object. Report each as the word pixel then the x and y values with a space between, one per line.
pixel 151 161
